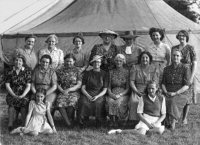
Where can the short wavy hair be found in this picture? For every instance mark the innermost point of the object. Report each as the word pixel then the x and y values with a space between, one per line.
pixel 147 53
pixel 184 33
pixel 160 31
pixel 47 57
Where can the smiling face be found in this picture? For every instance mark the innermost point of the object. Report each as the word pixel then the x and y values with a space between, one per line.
pixel 181 37
pixel 69 62
pixel 39 97
pixel 96 64
pixel 155 36
pixel 51 42
pixel 145 60
pixel 119 62
pixel 45 63
pixel 152 88
pixel 176 57
pixel 18 62
pixel 30 42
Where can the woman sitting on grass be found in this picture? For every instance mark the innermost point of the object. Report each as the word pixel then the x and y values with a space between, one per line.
pixel 151 110
pixel 36 121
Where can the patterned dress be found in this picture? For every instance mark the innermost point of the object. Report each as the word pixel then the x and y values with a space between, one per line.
pixel 174 79
pixel 189 56
pixel 67 78
pixel 18 84
pixel 108 56
pixel 119 81
pixel 140 79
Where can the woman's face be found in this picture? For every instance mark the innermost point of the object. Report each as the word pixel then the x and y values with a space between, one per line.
pixel 39 97
pixel 18 62
pixel 119 62
pixel 97 64
pixel 155 36
pixel 128 41
pixel 152 90
pixel 78 42
pixel 145 60
pixel 176 57
pixel 51 42
pixel 45 63
pixel 30 43
pixel 107 38
pixel 69 62
pixel 181 37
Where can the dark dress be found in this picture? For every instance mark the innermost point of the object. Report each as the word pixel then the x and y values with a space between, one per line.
pixel 67 78
pixel 174 79
pixel 94 83
pixel 108 56
pixel 18 85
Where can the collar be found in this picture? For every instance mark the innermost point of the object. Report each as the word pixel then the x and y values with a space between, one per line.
pixel 152 99
pixel 44 71
pixel 23 68
pixel 75 50
pixel 54 49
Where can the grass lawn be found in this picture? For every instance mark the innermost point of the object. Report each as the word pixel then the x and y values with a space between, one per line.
pixel 183 135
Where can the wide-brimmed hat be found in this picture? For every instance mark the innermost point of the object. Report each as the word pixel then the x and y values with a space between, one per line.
pixel 95 58
pixel 129 35
pixel 108 32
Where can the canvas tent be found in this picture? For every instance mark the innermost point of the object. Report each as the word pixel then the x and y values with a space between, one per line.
pixel 92 16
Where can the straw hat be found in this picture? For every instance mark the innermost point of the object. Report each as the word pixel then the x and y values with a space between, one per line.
pixel 108 32
pixel 95 58
pixel 129 35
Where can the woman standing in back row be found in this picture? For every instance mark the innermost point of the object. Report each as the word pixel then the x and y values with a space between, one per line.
pixel 189 58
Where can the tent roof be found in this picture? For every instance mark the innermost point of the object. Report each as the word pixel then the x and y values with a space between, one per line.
pixel 117 15
pixel 23 12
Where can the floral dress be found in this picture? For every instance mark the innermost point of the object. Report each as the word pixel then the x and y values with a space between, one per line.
pixel 18 84
pixel 108 56
pixel 67 78
pixel 119 81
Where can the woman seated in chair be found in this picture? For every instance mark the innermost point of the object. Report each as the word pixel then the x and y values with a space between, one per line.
pixel 95 84
pixel 175 86
pixel 69 83
pixel 45 77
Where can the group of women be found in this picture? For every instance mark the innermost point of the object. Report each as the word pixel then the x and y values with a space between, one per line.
pixel 121 78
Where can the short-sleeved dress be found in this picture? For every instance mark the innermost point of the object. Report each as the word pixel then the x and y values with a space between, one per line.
pixel 38 122
pixel 108 56
pixel 67 78
pixel 160 54
pixel 18 84
pixel 94 82
pixel 189 56
pixel 174 79
pixel 132 58
pixel 45 79
pixel 119 81
pixel 140 79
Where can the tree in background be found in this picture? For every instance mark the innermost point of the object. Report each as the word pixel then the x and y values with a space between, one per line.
pixel 184 7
